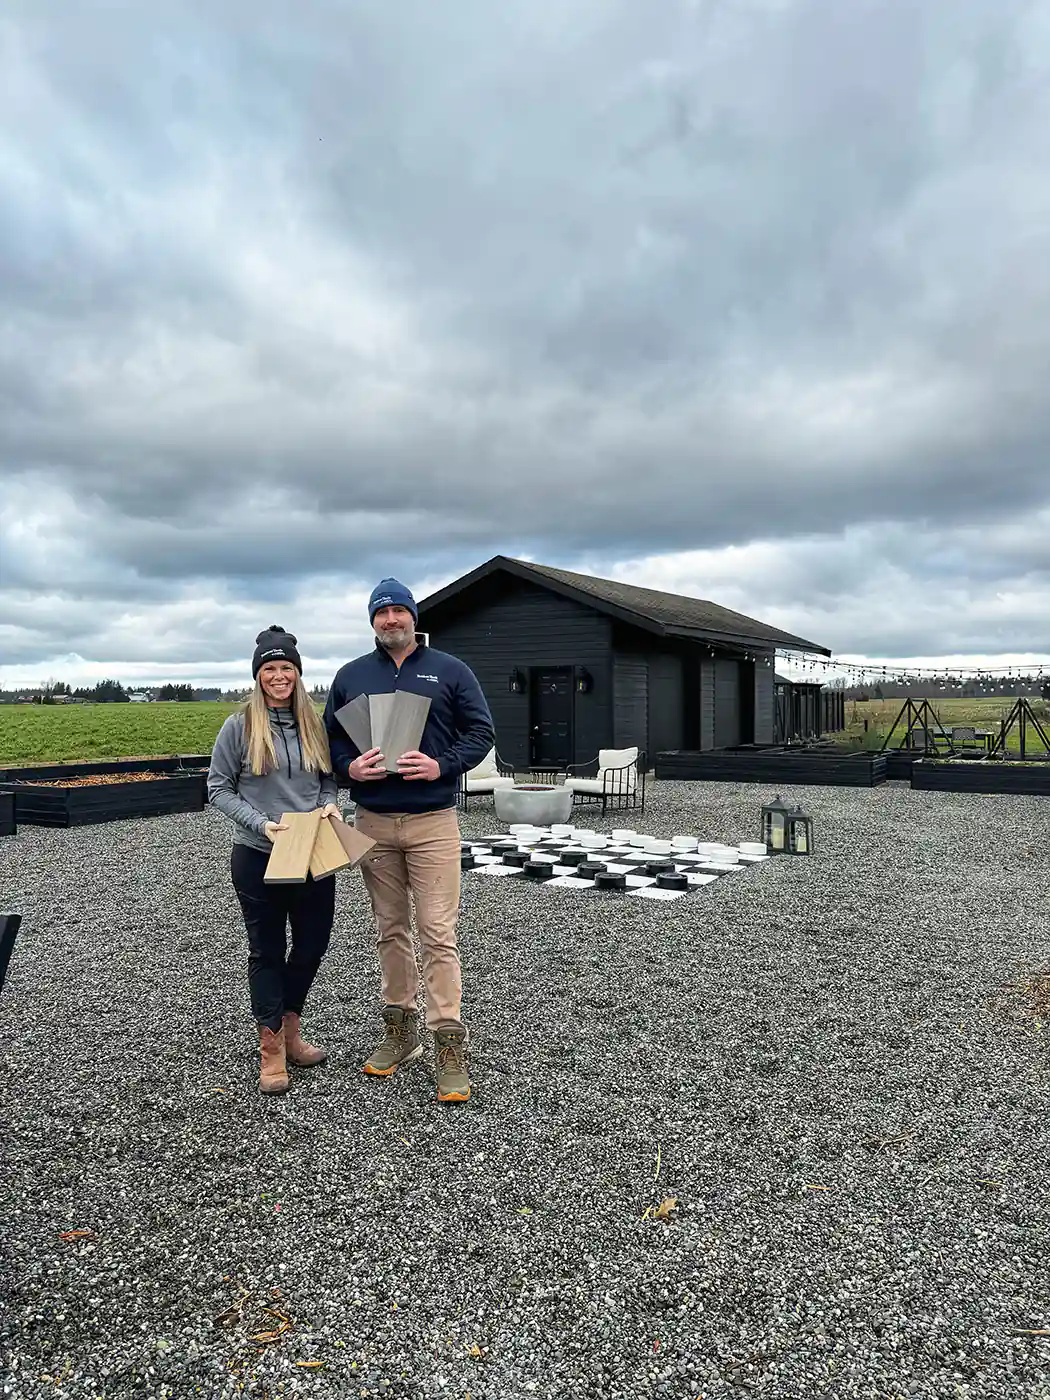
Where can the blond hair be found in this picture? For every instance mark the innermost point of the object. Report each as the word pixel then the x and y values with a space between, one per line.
pixel 262 756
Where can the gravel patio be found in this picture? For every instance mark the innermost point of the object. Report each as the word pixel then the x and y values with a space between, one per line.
pixel 821 1062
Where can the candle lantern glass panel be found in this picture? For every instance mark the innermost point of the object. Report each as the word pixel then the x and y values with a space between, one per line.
pixel 800 832
pixel 775 825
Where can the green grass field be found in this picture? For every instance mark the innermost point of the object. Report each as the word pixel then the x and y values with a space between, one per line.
pixel 67 733
pixel 985 713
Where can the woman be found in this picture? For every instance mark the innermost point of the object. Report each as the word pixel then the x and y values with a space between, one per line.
pixel 269 758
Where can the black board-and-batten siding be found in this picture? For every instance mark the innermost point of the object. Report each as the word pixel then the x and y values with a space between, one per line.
pixel 639 688
pixel 532 631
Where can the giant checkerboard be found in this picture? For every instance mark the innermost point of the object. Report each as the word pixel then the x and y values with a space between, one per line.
pixel 624 862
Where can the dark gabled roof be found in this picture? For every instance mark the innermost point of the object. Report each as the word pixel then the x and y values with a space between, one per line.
pixel 668 614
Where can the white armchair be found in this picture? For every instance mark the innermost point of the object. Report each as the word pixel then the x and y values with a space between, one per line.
pixel 483 780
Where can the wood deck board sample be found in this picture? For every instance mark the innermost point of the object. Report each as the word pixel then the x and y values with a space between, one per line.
pixel 356 720
pixel 328 854
pixel 289 862
pixel 354 843
pixel 398 720
pixel 381 709
pixel 403 730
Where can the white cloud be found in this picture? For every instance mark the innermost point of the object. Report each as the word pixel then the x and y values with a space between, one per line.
pixel 752 299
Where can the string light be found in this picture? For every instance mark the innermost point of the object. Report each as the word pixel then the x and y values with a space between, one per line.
pixel 984 678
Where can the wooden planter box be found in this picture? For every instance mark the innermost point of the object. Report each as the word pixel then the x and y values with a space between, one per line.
pixel 8 825
pixel 39 805
pixel 899 764
pixel 180 763
pixel 931 775
pixel 773 765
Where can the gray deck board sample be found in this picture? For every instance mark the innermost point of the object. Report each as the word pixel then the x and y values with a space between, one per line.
pixel 381 708
pixel 402 726
pixel 355 719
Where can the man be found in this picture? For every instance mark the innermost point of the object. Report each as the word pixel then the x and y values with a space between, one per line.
pixel 411 816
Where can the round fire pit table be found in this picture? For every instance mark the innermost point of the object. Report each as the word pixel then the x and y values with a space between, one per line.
pixel 533 802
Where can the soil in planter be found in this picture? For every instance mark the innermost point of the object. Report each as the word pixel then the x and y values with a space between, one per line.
pixel 98 779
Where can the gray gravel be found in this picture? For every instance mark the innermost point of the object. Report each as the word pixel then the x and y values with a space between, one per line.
pixel 817 1059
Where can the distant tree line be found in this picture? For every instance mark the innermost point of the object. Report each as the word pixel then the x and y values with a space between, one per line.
pixel 949 688
pixel 107 692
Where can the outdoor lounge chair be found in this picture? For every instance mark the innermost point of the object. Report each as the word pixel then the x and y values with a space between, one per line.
pixel 491 773
pixel 618 784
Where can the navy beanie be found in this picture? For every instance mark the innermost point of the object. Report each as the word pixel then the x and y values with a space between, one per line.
pixel 389 593
pixel 275 644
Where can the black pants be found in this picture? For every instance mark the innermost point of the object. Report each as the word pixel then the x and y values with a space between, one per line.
pixel 278 981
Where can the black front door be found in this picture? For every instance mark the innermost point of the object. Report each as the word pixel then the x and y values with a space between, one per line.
pixel 551 715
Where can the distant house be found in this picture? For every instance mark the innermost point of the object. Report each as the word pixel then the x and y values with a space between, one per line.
pixel 571 664
pixel 140 697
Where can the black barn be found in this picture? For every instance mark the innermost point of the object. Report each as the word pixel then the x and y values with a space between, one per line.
pixel 572 664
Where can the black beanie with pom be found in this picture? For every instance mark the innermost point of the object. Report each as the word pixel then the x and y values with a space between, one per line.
pixel 275 644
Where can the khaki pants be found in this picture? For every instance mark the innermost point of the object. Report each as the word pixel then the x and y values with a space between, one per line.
pixel 416 853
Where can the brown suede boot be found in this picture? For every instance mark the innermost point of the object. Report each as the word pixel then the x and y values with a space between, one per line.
pixel 273 1072
pixel 298 1051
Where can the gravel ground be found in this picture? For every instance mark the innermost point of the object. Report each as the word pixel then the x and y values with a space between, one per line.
pixel 817 1059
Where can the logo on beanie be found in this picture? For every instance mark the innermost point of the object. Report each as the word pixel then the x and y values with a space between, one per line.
pixel 385 602
pixel 274 651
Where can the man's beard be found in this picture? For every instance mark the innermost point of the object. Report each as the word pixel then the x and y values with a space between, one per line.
pixel 396 640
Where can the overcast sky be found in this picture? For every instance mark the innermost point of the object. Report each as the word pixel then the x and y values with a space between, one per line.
pixel 747 301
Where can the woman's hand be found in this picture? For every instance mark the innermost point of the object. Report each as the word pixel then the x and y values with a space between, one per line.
pixel 330 810
pixel 416 765
pixel 364 770
pixel 272 828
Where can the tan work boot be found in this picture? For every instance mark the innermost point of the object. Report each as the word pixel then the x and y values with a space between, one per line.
pixel 297 1050
pixel 273 1071
pixel 399 1046
pixel 453 1084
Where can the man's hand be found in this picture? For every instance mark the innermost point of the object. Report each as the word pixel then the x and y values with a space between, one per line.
pixel 364 770
pixel 272 828
pixel 330 810
pixel 416 765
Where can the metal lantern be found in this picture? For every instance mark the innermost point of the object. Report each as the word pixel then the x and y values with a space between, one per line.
pixel 517 682
pixel 775 824
pixel 584 680
pixel 800 832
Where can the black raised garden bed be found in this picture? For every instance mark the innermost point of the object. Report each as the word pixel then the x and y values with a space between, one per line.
pixel 177 763
pixel 8 825
pixel 932 775
pixel 898 763
pixel 754 764
pixel 38 803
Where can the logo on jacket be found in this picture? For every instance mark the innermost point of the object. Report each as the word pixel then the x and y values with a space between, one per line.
pixel 428 678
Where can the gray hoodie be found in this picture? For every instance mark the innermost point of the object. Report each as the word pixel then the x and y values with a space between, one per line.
pixel 251 801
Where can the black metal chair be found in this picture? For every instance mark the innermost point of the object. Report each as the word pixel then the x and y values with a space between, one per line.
pixel 618 787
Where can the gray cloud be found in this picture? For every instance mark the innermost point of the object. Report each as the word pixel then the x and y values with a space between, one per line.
pixel 311 294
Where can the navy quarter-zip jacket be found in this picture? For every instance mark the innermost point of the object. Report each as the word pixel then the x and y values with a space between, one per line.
pixel 459 731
